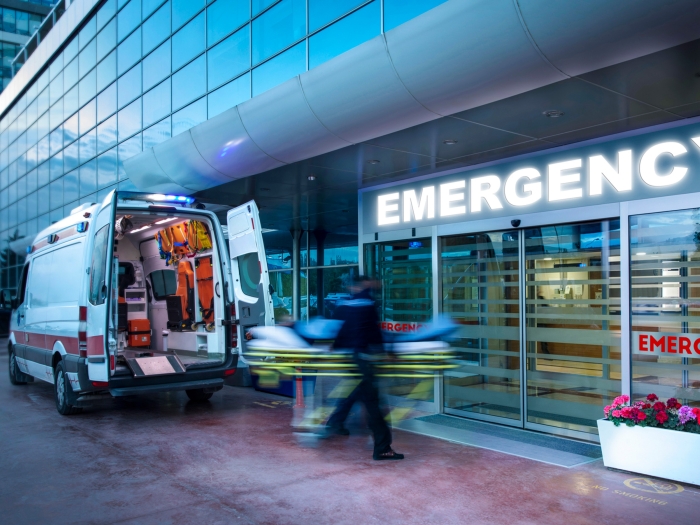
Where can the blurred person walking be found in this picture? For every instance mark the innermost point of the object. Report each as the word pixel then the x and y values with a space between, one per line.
pixel 360 332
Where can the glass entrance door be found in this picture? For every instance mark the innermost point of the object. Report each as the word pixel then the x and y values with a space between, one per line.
pixel 572 312
pixel 539 345
pixel 481 291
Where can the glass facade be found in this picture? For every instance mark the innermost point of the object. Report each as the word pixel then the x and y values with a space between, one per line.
pixel 142 71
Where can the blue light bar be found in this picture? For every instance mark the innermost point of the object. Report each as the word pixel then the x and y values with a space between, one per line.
pixel 159 197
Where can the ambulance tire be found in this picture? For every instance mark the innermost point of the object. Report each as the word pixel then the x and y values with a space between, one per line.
pixel 14 370
pixel 60 389
pixel 199 395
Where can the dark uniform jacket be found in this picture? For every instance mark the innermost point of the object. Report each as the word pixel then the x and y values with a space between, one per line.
pixel 360 331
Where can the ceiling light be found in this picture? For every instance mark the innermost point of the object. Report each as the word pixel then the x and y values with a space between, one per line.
pixel 547 258
pixel 373 161
pixel 553 113
pixel 140 229
pixel 641 253
pixel 312 177
pixel 449 142
pixel 166 220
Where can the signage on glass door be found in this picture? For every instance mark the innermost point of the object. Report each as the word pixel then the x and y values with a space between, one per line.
pixel 649 165
pixel 657 343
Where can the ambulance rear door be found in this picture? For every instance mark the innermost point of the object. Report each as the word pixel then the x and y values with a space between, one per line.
pixel 251 281
pixel 101 307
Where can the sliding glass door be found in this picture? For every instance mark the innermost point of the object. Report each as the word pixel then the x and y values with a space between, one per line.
pixel 481 291
pixel 539 344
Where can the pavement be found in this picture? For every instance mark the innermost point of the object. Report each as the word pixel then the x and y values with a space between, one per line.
pixel 164 460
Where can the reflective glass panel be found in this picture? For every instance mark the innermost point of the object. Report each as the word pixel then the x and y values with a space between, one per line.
pixel 107 70
pixel 283 67
pixel 71 186
pixel 345 34
pixel 229 95
pixel 665 287
pixel 88 145
pixel 148 6
pixel 322 11
pixel 107 134
pixel 278 27
pixel 156 66
pixel 71 101
pixel 129 52
pixel 129 120
pixel 128 18
pixel 87 33
pixel 183 10
pixel 223 16
pixel 259 5
pixel 396 12
pixel 88 178
pixel 87 87
pixel 129 86
pixel 229 58
pixel 190 116
pixel 106 40
pixel 188 42
pixel 157 133
pixel 70 74
pixel 107 102
pixel 71 157
pixel 87 117
pixel 106 12
pixel 87 58
pixel 190 82
pixel 572 309
pixel 107 168
pixel 156 29
pixel 156 103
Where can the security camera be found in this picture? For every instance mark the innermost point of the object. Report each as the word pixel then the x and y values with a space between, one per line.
pixel 515 223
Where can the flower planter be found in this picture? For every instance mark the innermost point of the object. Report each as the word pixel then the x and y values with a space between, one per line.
pixel 658 452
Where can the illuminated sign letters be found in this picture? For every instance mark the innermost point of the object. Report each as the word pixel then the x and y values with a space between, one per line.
pixel 644 166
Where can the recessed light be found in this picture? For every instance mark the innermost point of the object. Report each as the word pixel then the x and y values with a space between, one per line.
pixel 373 161
pixel 166 220
pixel 553 113
pixel 449 142
pixel 312 177
pixel 641 253
pixel 547 259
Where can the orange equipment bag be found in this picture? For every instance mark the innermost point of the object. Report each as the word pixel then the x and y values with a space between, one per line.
pixel 205 288
pixel 178 239
pixel 139 332
pixel 185 289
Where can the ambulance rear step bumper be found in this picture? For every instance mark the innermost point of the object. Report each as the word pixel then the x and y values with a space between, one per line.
pixel 209 385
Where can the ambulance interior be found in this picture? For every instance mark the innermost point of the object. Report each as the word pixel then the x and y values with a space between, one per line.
pixel 169 290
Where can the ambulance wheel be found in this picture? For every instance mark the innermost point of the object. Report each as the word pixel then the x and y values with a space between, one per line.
pixel 199 395
pixel 61 389
pixel 14 370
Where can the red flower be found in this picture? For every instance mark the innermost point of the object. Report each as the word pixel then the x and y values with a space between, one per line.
pixel 617 413
pixel 641 416
pixel 696 411
pixel 659 406
pixel 626 412
pixel 662 417
pixel 652 397
pixel 673 403
pixel 646 406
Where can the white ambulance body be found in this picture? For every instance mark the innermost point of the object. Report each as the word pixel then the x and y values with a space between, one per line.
pixel 100 309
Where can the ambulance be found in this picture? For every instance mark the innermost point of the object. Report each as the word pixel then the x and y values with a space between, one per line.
pixel 141 293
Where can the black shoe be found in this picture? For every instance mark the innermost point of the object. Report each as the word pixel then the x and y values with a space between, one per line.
pixel 330 430
pixel 388 455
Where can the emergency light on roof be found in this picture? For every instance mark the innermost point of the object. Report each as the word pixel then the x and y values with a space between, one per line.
pixel 159 197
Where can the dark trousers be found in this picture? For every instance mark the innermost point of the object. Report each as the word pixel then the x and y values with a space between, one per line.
pixel 367 394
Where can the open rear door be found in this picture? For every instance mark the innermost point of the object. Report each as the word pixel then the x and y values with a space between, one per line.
pixel 251 281
pixel 101 310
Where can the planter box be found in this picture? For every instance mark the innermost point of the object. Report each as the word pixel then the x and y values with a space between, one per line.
pixel 658 452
